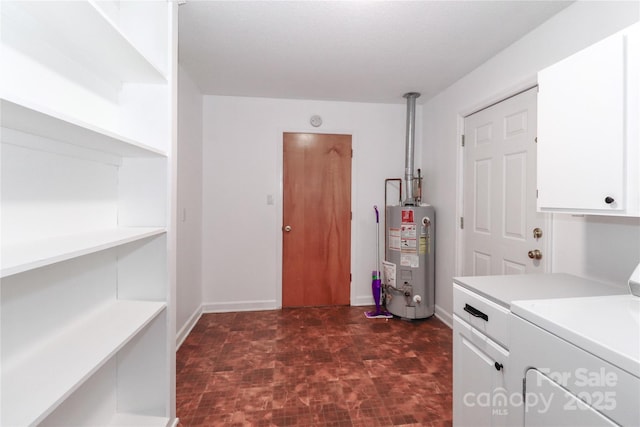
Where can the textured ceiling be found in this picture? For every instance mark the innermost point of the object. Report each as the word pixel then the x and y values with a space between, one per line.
pixel 346 51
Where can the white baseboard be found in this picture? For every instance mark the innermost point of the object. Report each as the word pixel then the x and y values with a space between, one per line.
pixel 183 333
pixel 358 301
pixel 175 423
pixel 446 318
pixel 226 307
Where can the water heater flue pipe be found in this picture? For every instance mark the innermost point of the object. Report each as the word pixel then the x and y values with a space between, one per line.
pixel 409 198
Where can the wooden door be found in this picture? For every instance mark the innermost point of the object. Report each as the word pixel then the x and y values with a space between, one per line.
pixel 500 213
pixel 316 230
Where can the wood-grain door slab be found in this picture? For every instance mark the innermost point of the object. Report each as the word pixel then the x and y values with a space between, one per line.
pixel 316 258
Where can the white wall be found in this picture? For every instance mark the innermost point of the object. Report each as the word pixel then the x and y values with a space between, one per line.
pixel 242 154
pixel 598 247
pixel 602 248
pixel 189 242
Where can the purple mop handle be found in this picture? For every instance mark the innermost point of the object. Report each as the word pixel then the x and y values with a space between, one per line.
pixel 377 275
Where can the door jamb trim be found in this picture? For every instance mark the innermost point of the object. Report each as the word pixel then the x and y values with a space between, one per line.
pixel 280 208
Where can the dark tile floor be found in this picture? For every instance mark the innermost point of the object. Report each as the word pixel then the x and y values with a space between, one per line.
pixel 320 366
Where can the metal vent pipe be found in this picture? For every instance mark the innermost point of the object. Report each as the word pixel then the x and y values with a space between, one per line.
pixel 410 143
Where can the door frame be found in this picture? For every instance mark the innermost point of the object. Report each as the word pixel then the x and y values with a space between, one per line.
pixel 355 276
pixel 487 102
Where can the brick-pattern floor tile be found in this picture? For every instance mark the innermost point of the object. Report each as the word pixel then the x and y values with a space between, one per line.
pixel 318 366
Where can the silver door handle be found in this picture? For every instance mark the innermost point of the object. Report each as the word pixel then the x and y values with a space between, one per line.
pixel 287 228
pixel 535 254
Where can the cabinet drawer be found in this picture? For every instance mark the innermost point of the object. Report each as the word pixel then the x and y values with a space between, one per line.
pixel 482 314
pixel 472 338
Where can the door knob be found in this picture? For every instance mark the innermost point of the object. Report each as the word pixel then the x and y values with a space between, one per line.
pixel 287 228
pixel 537 233
pixel 535 254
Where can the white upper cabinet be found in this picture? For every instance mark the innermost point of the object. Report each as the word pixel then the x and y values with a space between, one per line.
pixel 588 129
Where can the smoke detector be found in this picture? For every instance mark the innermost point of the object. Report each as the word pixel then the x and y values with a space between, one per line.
pixel 315 121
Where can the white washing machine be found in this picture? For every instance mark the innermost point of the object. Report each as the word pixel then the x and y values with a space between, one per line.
pixel 577 361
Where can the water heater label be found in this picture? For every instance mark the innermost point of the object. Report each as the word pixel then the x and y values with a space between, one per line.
pixel 394 239
pixel 407 216
pixel 423 245
pixel 408 231
pixel 407 260
pixel 389 273
pixel 408 238
pixel 408 245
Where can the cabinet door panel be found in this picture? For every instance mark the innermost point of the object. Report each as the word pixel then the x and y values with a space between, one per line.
pixel 479 394
pixel 581 130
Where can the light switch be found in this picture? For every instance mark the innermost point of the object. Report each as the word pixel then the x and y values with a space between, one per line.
pixel 269 199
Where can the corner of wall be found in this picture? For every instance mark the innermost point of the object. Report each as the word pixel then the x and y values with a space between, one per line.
pixel 444 316
pixel 186 329
pixel 189 205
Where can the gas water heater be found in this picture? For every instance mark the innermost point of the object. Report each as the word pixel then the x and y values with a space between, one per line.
pixel 410 252
pixel 409 268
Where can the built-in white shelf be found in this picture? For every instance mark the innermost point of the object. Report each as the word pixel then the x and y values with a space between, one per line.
pixel 33 387
pixel 36 120
pixel 87 132
pixel 132 420
pixel 25 256
pixel 85 33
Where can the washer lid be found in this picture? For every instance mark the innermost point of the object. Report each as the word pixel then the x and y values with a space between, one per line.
pixel 606 326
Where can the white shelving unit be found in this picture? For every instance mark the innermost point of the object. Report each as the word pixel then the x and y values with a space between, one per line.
pixel 86 33
pixel 26 256
pixel 88 113
pixel 77 353
pixel 132 420
pixel 35 120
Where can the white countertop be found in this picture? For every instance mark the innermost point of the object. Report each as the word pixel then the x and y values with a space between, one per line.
pixel 606 326
pixel 505 289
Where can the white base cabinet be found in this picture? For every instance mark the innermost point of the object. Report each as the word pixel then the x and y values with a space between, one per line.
pixel 87 166
pixel 589 129
pixel 480 395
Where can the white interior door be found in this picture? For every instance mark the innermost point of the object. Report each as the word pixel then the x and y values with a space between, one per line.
pixel 500 191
